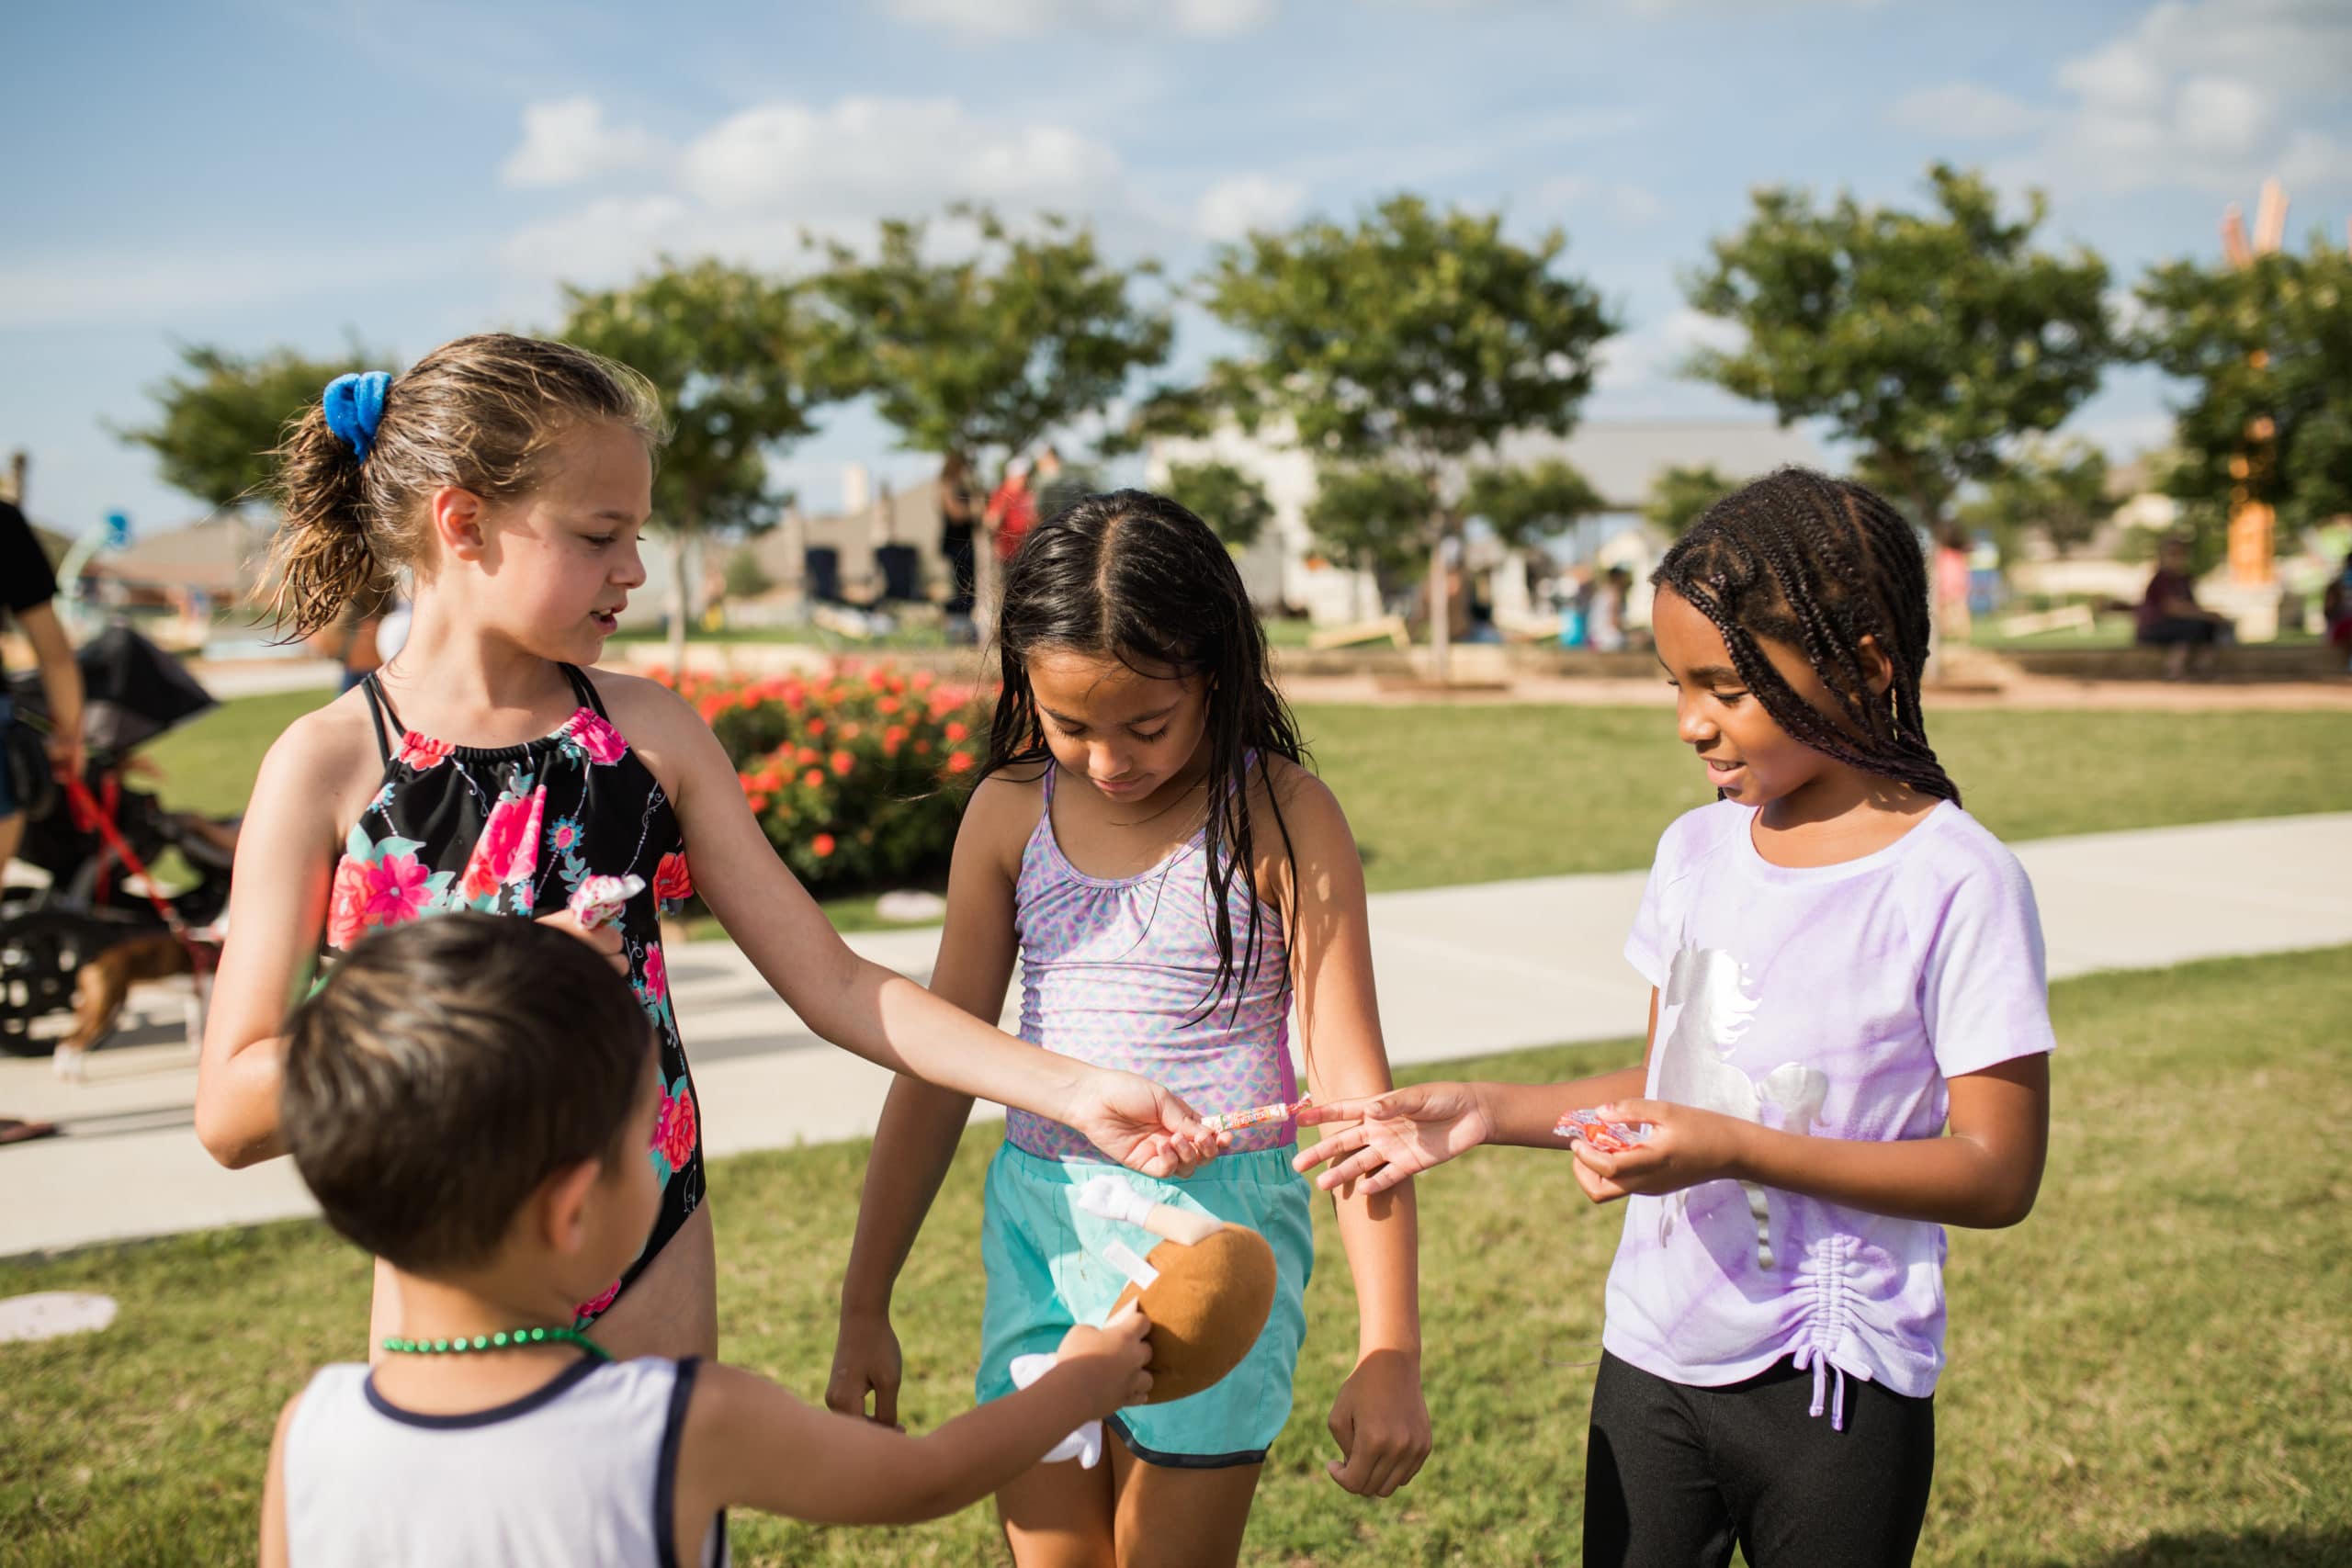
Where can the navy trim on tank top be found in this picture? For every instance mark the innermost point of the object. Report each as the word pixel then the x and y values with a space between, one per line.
pixel 553 1388
pixel 665 1469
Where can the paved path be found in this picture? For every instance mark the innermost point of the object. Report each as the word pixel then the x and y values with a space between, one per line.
pixel 1463 971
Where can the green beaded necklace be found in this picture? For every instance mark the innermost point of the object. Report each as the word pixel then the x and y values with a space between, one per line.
pixel 505 1339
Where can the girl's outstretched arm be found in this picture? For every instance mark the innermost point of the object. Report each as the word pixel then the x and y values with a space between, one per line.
pixel 1380 1419
pixel 1381 1140
pixel 922 1123
pixel 1986 1174
pixel 861 1006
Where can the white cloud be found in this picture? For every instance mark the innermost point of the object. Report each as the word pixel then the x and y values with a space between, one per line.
pixel 748 189
pixel 1232 208
pixel 866 157
pixel 1630 205
pixel 1648 357
pixel 2201 94
pixel 1022 19
pixel 568 142
pixel 606 241
pixel 1965 110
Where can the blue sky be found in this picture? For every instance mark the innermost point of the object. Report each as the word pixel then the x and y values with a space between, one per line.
pixel 251 172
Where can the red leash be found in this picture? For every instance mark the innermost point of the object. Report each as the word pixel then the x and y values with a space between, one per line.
pixel 89 815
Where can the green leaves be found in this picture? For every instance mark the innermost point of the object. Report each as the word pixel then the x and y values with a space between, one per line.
pixel 995 349
pixel 1395 350
pixel 1375 516
pixel 2272 341
pixel 1232 503
pixel 741 363
pixel 1679 494
pixel 1412 335
pixel 1930 341
pixel 2056 487
pixel 222 418
pixel 1526 505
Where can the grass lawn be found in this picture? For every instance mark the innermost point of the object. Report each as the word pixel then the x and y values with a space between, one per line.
pixel 1440 795
pixel 2148 1371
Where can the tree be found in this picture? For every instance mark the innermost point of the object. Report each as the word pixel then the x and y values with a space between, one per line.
pixel 1413 340
pixel 1371 515
pixel 2057 488
pixel 995 350
pixel 2265 350
pixel 222 418
pixel 744 577
pixel 1678 494
pixel 1227 500
pixel 741 363
pixel 991 352
pixel 1527 505
pixel 1929 340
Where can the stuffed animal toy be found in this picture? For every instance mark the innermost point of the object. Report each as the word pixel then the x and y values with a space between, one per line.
pixel 1206 1287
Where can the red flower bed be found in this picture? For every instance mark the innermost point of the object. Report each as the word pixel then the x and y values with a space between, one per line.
pixel 850 774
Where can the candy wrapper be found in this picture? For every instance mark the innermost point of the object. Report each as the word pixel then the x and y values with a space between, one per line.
pixel 600 900
pixel 1234 1121
pixel 1608 1137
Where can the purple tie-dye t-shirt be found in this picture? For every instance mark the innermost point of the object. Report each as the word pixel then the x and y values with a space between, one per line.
pixel 1833 1000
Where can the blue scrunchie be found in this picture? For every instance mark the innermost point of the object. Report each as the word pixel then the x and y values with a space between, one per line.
pixel 355 407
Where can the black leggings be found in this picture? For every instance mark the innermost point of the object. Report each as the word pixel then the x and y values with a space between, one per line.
pixel 1675 1474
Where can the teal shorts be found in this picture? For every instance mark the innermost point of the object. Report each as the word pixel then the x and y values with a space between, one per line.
pixel 1047 1273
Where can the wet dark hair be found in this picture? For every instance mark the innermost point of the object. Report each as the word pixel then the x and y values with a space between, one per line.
pixel 1819 564
pixel 1134 577
pixel 445 1069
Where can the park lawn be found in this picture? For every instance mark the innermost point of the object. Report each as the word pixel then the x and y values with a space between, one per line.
pixel 1480 794
pixel 2150 1370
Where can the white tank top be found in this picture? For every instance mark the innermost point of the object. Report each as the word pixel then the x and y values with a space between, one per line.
pixel 581 1471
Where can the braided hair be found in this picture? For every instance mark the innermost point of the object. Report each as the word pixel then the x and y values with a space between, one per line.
pixel 1819 564
pixel 1134 577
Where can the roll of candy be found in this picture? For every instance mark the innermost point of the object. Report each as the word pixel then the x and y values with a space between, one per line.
pixel 600 900
pixel 1608 1137
pixel 1279 1110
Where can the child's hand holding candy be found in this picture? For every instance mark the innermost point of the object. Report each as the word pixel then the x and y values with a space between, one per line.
pixel 1678 1146
pixel 592 914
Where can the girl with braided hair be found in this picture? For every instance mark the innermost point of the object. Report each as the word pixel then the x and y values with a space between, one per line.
pixel 1845 966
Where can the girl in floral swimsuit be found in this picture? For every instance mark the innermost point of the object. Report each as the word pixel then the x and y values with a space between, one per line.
pixel 486 768
pixel 516 829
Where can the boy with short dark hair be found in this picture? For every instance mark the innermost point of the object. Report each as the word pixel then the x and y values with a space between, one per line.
pixel 471 1099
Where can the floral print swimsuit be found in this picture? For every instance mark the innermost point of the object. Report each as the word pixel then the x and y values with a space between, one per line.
pixel 512 830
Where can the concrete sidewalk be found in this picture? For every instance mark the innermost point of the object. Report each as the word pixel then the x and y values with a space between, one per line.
pixel 1463 971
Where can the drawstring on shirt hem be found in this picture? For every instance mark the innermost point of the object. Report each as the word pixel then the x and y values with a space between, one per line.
pixel 1822 1395
pixel 1829 1325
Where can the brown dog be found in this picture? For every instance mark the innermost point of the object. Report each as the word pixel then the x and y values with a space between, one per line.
pixel 104 982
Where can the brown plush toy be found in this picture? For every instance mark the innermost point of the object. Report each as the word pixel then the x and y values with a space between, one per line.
pixel 1207 1287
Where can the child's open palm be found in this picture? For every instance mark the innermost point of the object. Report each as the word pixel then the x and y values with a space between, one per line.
pixel 1392 1136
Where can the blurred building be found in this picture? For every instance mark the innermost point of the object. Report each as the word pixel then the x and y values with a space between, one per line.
pixel 1621 460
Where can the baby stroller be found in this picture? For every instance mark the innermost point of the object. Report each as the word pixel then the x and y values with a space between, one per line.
pixel 96 839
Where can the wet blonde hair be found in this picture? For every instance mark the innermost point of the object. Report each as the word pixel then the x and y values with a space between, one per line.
pixel 478 413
